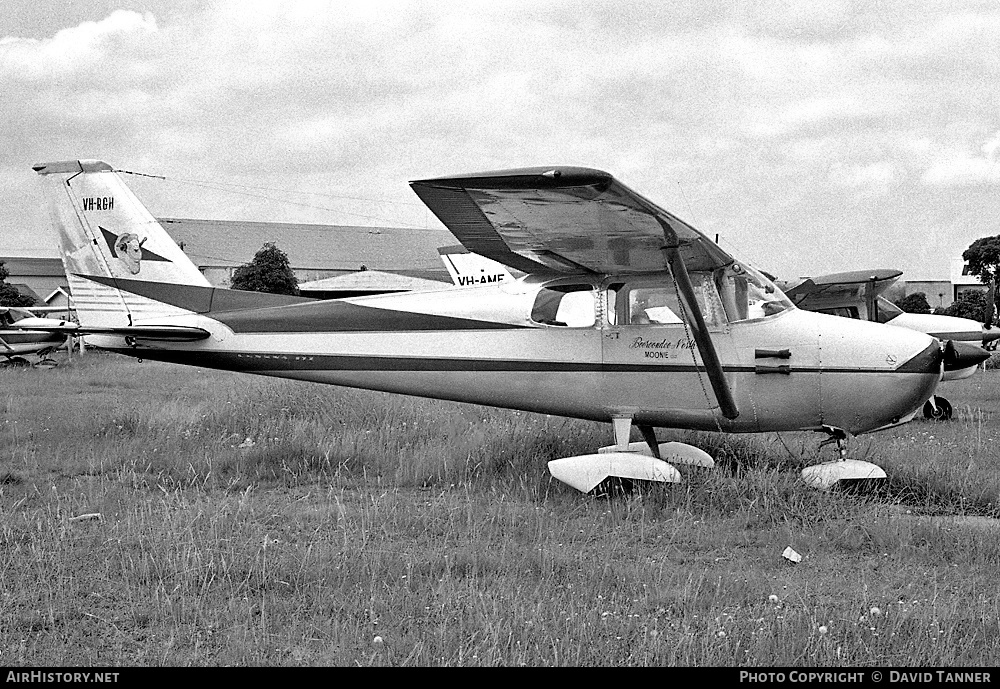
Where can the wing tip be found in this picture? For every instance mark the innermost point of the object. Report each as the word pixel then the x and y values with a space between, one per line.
pixel 522 178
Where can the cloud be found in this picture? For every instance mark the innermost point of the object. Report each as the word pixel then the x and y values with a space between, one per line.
pixel 873 178
pixel 773 114
pixel 75 50
pixel 960 168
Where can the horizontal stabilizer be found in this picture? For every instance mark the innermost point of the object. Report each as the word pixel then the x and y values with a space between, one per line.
pixel 585 472
pixel 167 333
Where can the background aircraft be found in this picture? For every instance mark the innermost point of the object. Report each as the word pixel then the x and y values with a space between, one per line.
pixel 858 294
pixel 627 315
pixel 16 344
pixel 469 270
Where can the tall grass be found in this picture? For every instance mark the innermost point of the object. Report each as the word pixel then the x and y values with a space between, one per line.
pixel 246 520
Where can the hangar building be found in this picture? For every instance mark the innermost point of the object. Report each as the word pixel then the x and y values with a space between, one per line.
pixel 332 256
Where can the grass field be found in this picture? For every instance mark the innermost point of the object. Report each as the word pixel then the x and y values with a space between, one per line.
pixel 245 520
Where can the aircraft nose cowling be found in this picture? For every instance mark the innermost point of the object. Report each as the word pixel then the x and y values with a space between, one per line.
pixel 959 355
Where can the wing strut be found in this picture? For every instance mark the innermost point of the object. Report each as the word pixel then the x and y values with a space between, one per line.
pixel 701 337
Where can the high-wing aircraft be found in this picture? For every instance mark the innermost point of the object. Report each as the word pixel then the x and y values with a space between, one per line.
pixel 626 315
pixel 858 294
pixel 16 344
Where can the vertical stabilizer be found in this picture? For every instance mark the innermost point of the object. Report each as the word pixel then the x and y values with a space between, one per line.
pixel 105 231
pixel 468 269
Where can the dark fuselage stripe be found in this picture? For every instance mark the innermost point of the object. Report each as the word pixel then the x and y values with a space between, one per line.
pixel 253 312
pixel 280 361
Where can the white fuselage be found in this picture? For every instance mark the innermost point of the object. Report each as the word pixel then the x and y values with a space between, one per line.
pixel 481 345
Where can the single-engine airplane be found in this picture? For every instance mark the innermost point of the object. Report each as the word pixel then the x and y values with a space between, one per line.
pixel 627 315
pixel 859 294
pixel 16 343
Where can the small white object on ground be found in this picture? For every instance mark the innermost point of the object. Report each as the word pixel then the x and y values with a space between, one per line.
pixel 791 555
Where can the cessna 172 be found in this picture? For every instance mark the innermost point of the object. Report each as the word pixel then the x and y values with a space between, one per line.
pixel 627 315
pixel 858 294
pixel 16 343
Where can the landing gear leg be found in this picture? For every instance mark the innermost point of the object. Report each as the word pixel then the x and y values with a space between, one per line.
pixel 839 436
pixel 843 471
pixel 623 432
pixel 649 435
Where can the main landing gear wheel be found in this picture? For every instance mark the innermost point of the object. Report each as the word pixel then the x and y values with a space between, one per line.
pixel 611 472
pixel 937 409
pixel 15 362
pixel 624 467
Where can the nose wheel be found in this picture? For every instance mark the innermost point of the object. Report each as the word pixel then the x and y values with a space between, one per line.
pixel 937 409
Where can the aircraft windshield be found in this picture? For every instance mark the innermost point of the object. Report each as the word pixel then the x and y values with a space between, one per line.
pixel 887 310
pixel 749 295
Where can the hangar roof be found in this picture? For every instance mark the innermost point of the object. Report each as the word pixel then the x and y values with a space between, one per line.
pixel 230 243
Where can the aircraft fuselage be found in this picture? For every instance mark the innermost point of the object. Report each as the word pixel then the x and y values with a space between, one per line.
pixel 489 345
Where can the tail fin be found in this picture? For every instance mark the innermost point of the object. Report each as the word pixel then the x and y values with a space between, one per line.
pixel 469 270
pixel 105 232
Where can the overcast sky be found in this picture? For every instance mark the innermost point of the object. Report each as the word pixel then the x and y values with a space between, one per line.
pixel 811 136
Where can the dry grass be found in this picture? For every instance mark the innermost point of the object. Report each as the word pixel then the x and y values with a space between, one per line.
pixel 254 521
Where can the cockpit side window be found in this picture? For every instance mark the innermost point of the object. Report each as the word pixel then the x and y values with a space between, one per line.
pixel 651 301
pixel 728 295
pixel 568 306
pixel 654 304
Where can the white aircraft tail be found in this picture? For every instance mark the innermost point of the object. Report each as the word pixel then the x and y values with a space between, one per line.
pixel 471 270
pixel 108 238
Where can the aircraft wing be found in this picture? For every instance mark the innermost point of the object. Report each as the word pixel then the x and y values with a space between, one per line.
pixel 851 285
pixel 563 219
pixel 168 333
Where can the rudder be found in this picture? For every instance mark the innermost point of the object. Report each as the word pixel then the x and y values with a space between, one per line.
pixel 104 230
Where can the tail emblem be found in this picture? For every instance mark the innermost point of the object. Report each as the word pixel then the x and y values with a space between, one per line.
pixel 127 248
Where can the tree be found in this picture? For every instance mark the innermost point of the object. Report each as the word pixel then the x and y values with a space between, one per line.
pixel 914 303
pixel 983 257
pixel 268 271
pixel 9 296
pixel 970 304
